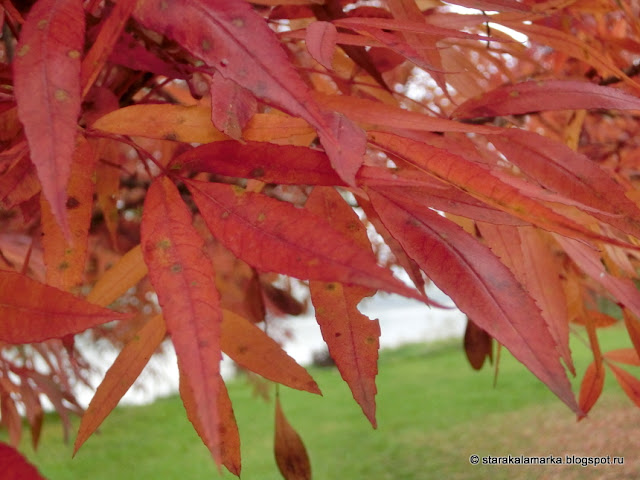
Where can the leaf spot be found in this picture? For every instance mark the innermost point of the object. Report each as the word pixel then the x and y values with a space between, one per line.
pixel 171 136
pixel 370 340
pixel 63 266
pixel 257 172
pixel 164 244
pixel 176 268
pixel 242 349
pixel 74 54
pixel 164 5
pixel 61 95
pixel 42 24
pixel 224 62
pixel 514 93
pixel 23 50
pixel 338 335
pixel 261 217
pixel 205 44
pixel 72 203
pixel 330 286
pixel 238 22
pixel 225 214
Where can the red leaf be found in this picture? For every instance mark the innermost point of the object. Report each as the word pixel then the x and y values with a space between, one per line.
pixel 633 328
pixel 546 95
pixel 275 236
pixel 591 387
pixel 282 164
pixel 629 383
pixel 352 338
pixel 120 376
pixel 47 88
pixel 253 349
pixel 174 253
pixel 231 106
pixel 571 174
pixel 33 312
pixel 291 454
pixel 15 466
pixel 321 42
pixel 480 285
pixel 229 36
pixel 476 179
pixel 227 451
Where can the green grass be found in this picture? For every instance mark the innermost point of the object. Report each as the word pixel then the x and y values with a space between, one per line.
pixel 432 414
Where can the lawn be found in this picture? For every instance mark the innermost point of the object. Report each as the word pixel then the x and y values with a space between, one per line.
pixel 434 411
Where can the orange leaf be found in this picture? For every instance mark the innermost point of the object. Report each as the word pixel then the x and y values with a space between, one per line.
pixel 321 42
pixel 125 370
pixel 66 261
pixel 183 278
pixel 9 417
pixel 290 452
pixel 253 349
pixel 32 312
pixel 47 88
pixel 480 285
pixel 590 388
pixel 227 450
pixel 627 356
pixel 275 236
pixel 231 37
pixel 125 274
pixel 15 466
pixel 629 383
pixel 633 328
pixel 352 338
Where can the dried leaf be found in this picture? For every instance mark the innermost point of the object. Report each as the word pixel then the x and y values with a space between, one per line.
pixel 32 312
pixel 291 454
pixel 47 88
pixel 478 345
pixel 173 251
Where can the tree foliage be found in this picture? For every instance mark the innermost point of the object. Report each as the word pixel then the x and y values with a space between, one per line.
pixel 205 150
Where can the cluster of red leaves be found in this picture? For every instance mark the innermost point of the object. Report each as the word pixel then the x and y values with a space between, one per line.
pixel 261 139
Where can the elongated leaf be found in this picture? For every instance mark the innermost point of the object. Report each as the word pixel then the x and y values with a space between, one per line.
pixel 15 466
pixel 47 88
pixel 629 383
pixel 591 387
pixel 633 328
pixel 275 236
pixel 193 124
pixel 546 95
pixel 125 274
pixel 253 349
pixel 480 285
pixel 32 312
pixel 120 376
pixel 352 338
pixel 105 42
pixel 628 356
pixel 478 181
pixel 66 261
pixel 321 42
pixel 291 454
pixel 227 450
pixel 571 174
pixel 266 162
pixel 229 36
pixel 373 115
pixel 183 278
